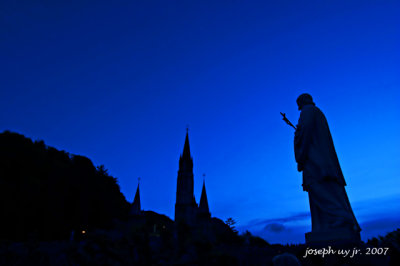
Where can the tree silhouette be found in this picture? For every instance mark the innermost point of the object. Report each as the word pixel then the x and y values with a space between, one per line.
pixel 231 223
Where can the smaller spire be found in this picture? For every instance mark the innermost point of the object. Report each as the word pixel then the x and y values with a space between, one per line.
pixel 136 208
pixel 203 207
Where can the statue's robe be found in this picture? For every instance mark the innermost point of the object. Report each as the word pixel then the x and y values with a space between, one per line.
pixel 322 176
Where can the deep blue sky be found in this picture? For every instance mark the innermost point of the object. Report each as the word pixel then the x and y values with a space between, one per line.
pixel 118 82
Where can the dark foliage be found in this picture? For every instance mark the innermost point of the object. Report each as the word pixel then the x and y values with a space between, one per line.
pixel 47 194
pixel 231 223
pixel 391 241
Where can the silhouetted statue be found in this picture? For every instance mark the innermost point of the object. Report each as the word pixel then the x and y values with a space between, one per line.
pixel 331 214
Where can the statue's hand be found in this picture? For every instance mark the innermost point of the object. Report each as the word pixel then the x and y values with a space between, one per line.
pixel 300 167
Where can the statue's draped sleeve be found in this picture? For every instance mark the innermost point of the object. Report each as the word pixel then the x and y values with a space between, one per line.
pixel 303 136
pixel 314 149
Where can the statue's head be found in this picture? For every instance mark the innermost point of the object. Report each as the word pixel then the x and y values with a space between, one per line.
pixel 304 99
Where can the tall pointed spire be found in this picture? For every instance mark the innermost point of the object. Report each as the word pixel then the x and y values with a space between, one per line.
pixel 203 207
pixel 185 160
pixel 186 147
pixel 136 208
pixel 185 206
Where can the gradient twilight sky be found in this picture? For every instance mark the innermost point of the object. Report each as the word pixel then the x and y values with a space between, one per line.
pixel 119 82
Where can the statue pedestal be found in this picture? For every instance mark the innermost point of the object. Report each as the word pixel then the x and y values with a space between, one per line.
pixel 337 235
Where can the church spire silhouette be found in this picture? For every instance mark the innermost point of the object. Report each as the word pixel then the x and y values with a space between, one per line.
pixel 185 160
pixel 136 208
pixel 185 206
pixel 203 206
pixel 186 147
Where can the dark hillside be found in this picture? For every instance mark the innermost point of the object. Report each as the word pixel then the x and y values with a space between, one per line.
pixel 47 194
